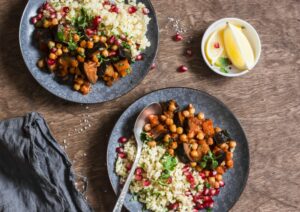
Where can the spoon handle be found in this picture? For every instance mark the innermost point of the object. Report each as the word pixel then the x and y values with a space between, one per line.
pixel 120 202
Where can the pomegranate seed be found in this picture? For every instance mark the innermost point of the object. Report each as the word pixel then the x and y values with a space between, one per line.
pixel 122 155
pixel 169 180
pixel 41 9
pixel 221 183
pixel 114 9
pixel 187 193
pixel 213 173
pixel 119 150
pixel 139 57
pixel 199 206
pixel 146 183
pixel 118 42
pixel 89 31
pixel 53 50
pixel 202 175
pixel 97 21
pixel 139 171
pixel 106 3
pixel 212 192
pixel 53 15
pixel 189 52
pixel 146 11
pixel 111 40
pixel 132 9
pixel 112 53
pixel 205 192
pixel 122 140
pixel 128 166
pixel 138 177
pixel 34 20
pixel 123 37
pixel 50 62
pixel 185 168
pixel 182 69
pixel 216 45
pixel 39 16
pixel 207 199
pixel 173 206
pixel 66 9
pixel 210 205
pixel 217 191
pixel 177 37
pixel 153 66
pixel 46 6
pixel 186 173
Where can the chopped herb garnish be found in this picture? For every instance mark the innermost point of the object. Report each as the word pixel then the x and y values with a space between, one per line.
pixel 169 162
pixel 207 185
pixel 145 137
pixel 60 36
pixel 223 63
pixel 125 45
pixel 209 161
pixel 83 20
pixel 128 71
pixel 72 45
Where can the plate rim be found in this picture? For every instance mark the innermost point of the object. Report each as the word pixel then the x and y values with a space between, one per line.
pixel 196 90
pixel 138 82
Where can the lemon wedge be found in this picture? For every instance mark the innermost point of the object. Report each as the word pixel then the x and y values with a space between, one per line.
pixel 214 46
pixel 238 48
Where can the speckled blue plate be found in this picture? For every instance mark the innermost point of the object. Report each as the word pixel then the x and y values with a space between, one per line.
pixel 100 92
pixel 235 179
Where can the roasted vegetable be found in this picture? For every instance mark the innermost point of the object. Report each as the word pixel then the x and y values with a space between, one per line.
pixel 208 127
pixel 90 69
pixel 222 137
pixel 192 125
pixel 123 67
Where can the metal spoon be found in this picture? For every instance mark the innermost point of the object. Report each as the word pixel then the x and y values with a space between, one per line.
pixel 153 108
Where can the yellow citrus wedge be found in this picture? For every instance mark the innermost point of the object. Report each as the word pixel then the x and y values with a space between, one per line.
pixel 238 48
pixel 214 46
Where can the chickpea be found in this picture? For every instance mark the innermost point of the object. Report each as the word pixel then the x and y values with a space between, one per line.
pixel 194 153
pixel 46 23
pixel 167 138
pixel 76 37
pixel 147 127
pixel 193 164
pixel 76 87
pixel 52 56
pixel 58 52
pixel 186 113
pixel 85 89
pixel 183 138
pixel 229 163
pixel 90 44
pixel 54 22
pixel 41 63
pixel 192 141
pixel 220 170
pixel 174 145
pixel 163 118
pixel 210 141
pixel 194 146
pixel 229 155
pixel 218 129
pixel 201 116
pixel 80 50
pixel 74 63
pixel 173 128
pixel 212 180
pixel 169 121
pixel 151 143
pixel 179 130
pixel 96 38
pixel 80 58
pixel 172 107
pixel 105 53
pixel 171 151
pixel 198 168
pixel 192 110
pixel 79 81
pixel 207 173
pixel 95 59
pixel 51 44
pixel 217 185
pixel 103 39
pixel 65 49
pixel 191 135
pixel 232 144
pixel 59 45
pixel 219 177
pixel 82 44
pixel 224 147
pixel 114 48
pixel 200 135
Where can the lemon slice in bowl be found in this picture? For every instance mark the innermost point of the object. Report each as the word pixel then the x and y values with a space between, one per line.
pixel 214 46
pixel 238 48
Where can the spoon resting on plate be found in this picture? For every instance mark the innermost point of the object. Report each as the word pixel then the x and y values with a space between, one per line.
pixel 154 108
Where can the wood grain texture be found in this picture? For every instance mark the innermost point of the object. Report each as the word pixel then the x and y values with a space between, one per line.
pixel 266 101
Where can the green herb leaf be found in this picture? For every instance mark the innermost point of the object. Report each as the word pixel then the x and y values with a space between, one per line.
pixel 224 70
pixel 169 162
pixel 165 174
pixel 203 164
pixel 145 137
pixel 207 185
pixel 214 164
pixel 60 36
pixel 125 45
pixel 72 46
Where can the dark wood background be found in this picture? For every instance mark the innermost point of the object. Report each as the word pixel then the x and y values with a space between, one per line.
pixel 266 101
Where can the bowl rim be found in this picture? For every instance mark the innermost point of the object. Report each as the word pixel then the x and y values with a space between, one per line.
pixel 208 31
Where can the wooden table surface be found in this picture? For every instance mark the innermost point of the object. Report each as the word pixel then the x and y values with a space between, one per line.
pixel 266 101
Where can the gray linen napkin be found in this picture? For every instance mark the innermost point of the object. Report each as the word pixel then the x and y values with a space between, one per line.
pixel 35 173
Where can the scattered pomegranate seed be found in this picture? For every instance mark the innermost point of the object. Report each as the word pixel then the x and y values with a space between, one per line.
pixel 177 37
pixel 189 52
pixel 132 9
pixel 39 16
pixel 138 177
pixel 210 205
pixel 122 155
pixel 97 21
pixel 221 183
pixel 153 66
pixel 122 140
pixel 119 150
pixel 173 206
pixel 53 50
pixel 182 69
pixel 146 183
pixel 106 3
pixel 216 45
pixel 34 20
pixel 207 199
pixel 169 180
pixel 89 32
pixel 50 62
pixel 46 6
pixel 146 11
pixel 205 192
pixel 128 166
pixel 139 171
pixel 199 206
pixel 114 9
pixel 111 40
pixel 217 191
pixel 66 9
pixel 41 9
pixel 202 175
pixel 112 54
pixel 139 57
pixel 53 15
pixel 123 37
pixel 212 191
pixel 213 173
pixel 118 42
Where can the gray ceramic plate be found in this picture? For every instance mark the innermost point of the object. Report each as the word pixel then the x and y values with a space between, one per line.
pixel 235 179
pixel 100 92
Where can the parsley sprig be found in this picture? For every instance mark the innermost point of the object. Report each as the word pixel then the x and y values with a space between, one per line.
pixel 209 161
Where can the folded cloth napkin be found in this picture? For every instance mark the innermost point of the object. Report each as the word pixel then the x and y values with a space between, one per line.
pixel 35 173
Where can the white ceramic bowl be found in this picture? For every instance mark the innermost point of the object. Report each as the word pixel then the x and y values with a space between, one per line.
pixel 250 33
